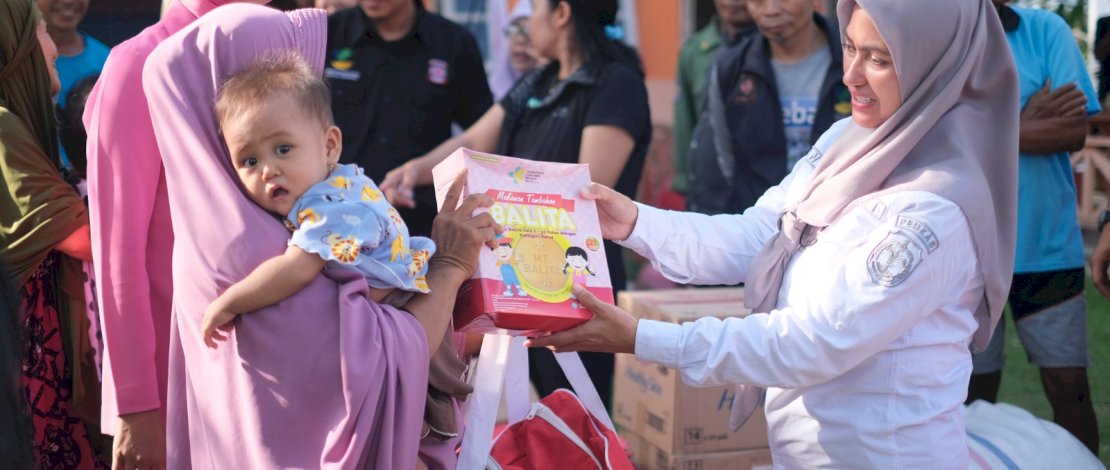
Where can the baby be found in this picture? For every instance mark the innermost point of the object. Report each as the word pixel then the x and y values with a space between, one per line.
pixel 276 119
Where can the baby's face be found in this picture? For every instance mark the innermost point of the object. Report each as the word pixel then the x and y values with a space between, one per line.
pixel 279 151
pixel 503 252
pixel 576 262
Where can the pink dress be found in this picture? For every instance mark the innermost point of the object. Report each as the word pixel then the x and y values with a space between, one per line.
pixel 324 379
pixel 132 238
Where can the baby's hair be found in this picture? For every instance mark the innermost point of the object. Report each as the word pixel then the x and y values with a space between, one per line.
pixel 243 91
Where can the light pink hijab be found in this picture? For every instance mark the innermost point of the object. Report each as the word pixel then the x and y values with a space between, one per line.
pixel 955 135
pixel 324 379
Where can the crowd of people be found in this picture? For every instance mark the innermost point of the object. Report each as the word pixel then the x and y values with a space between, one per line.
pixel 184 287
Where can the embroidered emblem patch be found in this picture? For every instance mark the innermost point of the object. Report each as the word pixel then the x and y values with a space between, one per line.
pixel 916 227
pixel 437 71
pixel 893 259
pixel 341 59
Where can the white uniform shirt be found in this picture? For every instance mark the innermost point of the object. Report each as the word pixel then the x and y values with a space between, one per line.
pixel 866 356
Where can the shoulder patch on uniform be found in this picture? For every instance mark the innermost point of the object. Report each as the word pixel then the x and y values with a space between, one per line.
pixel 920 229
pixel 893 260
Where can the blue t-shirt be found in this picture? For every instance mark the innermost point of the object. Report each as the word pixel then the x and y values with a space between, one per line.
pixel 1048 235
pixel 71 69
pixel 346 220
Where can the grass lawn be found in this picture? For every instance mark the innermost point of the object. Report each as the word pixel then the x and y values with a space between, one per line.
pixel 1021 383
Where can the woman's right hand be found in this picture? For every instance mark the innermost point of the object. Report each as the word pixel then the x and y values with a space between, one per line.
pixel 459 233
pixel 616 212
pixel 140 442
pixel 399 183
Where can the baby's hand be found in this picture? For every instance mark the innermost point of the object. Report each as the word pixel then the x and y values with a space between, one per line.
pixel 216 324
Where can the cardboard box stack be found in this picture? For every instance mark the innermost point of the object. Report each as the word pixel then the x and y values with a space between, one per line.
pixel 671 425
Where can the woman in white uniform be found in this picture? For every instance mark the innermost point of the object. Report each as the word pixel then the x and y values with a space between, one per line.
pixel 872 266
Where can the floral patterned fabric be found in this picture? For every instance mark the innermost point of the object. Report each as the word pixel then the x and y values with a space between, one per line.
pixel 347 221
pixel 61 440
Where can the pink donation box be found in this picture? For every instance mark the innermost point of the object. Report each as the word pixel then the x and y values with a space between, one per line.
pixel 552 240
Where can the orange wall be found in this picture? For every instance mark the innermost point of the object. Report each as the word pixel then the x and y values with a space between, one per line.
pixel 660 36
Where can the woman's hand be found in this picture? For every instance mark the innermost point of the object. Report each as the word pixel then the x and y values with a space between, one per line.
pixel 610 330
pixel 399 183
pixel 459 233
pixel 140 442
pixel 616 212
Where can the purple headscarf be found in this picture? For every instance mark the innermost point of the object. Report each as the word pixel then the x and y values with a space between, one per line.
pixel 324 379
pixel 955 135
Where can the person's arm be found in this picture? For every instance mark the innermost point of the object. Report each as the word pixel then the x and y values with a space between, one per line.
pixel 1053 121
pixel 607 150
pixel 817 339
pixel 77 244
pixel 618 113
pixel 1065 128
pixel 271 282
pixel 459 237
pixel 691 248
pixel 124 168
pixel 399 183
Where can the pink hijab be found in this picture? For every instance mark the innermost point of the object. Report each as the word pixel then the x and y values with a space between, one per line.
pixel 955 135
pixel 325 379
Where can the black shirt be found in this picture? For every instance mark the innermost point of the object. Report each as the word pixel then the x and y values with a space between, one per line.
pixel 544 119
pixel 547 125
pixel 396 100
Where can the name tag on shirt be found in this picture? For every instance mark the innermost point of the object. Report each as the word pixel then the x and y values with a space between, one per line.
pixel 351 75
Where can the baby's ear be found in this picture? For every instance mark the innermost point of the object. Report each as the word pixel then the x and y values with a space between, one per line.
pixel 333 143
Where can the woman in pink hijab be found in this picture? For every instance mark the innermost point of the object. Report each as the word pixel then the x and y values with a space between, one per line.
pixel 326 378
pixel 870 268
pixel 132 240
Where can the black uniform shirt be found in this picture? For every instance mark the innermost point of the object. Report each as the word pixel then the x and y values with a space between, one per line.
pixel 396 100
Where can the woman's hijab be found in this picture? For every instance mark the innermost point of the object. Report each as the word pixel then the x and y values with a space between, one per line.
pixel 24 77
pixel 38 209
pixel 323 379
pixel 955 135
pixel 504 76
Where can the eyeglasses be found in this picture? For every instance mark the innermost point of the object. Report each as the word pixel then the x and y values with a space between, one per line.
pixel 514 29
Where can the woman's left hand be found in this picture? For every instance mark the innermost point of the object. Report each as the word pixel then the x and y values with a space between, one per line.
pixel 459 233
pixel 610 330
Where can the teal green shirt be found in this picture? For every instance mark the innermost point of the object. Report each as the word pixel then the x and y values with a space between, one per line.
pixel 694 63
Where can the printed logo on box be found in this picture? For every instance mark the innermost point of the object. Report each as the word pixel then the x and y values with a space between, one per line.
pixel 647 385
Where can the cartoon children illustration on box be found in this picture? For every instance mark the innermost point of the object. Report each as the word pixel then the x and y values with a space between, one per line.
pixel 504 253
pixel 577 267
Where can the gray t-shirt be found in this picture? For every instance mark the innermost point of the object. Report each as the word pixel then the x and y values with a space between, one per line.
pixel 799 83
